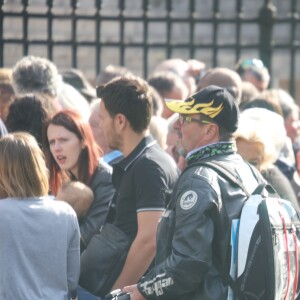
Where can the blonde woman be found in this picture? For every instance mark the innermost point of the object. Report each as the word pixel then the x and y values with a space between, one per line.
pixel 39 253
pixel 259 138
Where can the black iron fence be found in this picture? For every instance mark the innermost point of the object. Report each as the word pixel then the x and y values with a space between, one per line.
pixel 217 32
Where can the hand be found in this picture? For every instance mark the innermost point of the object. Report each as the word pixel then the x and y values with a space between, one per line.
pixel 134 292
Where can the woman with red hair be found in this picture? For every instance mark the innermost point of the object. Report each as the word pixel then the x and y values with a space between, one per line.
pixel 73 155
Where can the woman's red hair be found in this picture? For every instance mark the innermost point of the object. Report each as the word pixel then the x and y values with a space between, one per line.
pixel 89 157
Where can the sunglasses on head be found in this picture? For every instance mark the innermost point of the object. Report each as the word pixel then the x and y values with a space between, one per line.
pixel 251 62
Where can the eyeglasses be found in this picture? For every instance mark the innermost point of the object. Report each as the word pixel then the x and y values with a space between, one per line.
pixel 187 119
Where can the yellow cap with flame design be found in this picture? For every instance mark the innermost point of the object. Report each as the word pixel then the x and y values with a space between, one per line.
pixel 214 102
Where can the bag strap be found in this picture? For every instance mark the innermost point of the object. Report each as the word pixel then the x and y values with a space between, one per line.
pixel 232 177
pixel 225 172
pixel 111 211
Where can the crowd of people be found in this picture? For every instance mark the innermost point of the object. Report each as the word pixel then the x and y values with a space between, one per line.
pixel 75 156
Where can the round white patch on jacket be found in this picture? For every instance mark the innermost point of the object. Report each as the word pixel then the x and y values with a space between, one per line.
pixel 188 200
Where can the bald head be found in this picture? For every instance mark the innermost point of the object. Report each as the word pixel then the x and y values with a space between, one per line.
pixel 225 78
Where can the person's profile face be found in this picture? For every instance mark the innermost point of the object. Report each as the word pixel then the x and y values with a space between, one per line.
pixel 191 132
pixel 109 129
pixel 252 152
pixel 95 124
pixel 292 125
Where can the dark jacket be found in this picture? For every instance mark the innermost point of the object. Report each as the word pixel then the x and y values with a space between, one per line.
pixel 281 184
pixel 103 190
pixel 193 241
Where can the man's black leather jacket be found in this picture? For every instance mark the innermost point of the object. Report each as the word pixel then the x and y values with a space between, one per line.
pixel 193 241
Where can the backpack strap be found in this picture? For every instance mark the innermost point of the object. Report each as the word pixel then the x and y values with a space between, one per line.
pixel 225 172
pixel 232 177
pixel 263 185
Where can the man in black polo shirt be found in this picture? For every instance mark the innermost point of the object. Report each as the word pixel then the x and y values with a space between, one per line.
pixel 142 177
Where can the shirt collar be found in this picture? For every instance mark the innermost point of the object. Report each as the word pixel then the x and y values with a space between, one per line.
pixel 110 156
pixel 145 143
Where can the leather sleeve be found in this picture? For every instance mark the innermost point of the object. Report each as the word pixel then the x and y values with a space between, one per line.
pixel 191 255
pixel 103 192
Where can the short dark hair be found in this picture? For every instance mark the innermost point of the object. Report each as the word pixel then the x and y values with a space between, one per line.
pixel 130 97
pixel 261 103
pixel 225 135
pixel 165 82
pixel 29 113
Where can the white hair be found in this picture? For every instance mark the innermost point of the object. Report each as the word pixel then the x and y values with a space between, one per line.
pixel 263 126
pixel 159 129
pixel 70 98
pixel 34 74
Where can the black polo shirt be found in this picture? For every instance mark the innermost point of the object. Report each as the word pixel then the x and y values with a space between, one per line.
pixel 141 180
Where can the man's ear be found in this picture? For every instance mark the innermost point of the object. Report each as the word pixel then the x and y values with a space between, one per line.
pixel 212 131
pixel 120 121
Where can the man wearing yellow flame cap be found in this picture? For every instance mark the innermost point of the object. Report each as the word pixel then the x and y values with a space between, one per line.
pixel 193 249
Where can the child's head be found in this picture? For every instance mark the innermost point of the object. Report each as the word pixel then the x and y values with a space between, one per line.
pixel 78 195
